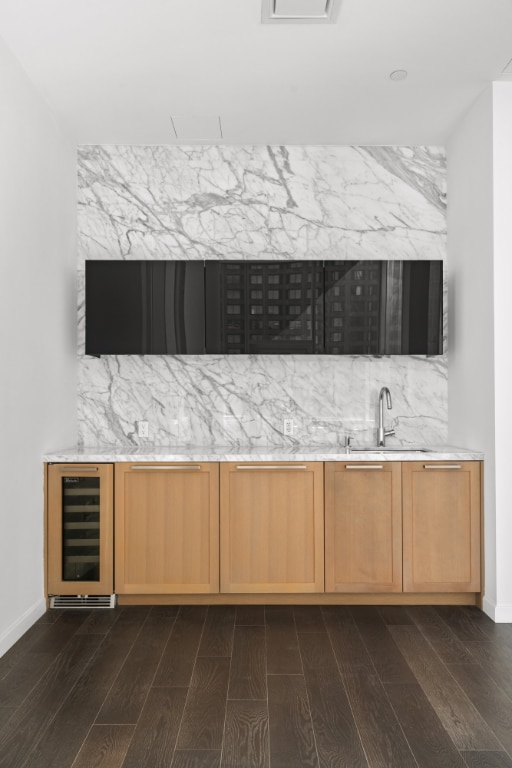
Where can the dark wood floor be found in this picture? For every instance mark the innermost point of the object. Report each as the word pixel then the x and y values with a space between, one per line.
pixel 255 687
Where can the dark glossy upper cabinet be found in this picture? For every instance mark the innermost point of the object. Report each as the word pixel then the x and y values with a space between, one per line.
pixel 384 307
pixel 144 307
pixel 266 307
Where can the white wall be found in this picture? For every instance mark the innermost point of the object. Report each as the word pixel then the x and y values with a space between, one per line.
pixel 37 332
pixel 471 325
pixel 480 275
pixel 502 142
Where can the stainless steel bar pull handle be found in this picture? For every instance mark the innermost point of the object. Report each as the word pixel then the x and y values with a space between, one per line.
pixel 166 467
pixel 271 466
pixel 364 466
pixel 442 466
pixel 67 470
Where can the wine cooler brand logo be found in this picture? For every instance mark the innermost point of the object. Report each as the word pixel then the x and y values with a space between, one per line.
pixel 71 479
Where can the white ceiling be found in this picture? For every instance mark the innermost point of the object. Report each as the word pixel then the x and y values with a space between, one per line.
pixel 115 71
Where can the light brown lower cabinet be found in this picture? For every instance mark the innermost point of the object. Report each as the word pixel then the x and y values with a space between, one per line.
pixel 272 535
pixel 363 527
pixel 258 528
pixel 167 528
pixel 441 521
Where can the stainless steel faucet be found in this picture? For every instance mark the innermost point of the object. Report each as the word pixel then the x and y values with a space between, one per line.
pixel 383 433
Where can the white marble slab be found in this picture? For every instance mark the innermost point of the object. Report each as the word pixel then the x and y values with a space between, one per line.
pixel 167 202
pixel 248 454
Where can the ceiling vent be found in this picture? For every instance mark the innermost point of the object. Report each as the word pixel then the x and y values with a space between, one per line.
pixel 299 11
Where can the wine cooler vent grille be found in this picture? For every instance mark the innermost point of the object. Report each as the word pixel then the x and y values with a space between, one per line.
pixel 83 601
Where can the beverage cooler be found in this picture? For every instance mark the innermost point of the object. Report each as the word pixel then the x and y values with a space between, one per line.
pixel 80 535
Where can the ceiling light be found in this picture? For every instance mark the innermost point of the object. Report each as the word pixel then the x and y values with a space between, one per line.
pixel 398 74
pixel 299 11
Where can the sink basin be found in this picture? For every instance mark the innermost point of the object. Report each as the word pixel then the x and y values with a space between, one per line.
pixel 389 449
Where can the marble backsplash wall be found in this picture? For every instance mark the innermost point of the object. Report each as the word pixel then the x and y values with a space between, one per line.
pixel 167 202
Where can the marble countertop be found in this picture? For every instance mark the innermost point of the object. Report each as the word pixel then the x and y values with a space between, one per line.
pixel 165 453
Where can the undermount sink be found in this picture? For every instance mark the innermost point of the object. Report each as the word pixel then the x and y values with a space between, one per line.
pixel 388 449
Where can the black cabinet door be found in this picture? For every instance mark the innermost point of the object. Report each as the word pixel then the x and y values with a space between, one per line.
pixel 264 307
pixel 383 307
pixel 144 308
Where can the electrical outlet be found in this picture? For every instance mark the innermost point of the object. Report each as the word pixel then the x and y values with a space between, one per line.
pixel 287 426
pixel 143 428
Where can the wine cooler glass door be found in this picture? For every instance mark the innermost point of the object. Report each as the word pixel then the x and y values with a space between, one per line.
pixel 80 529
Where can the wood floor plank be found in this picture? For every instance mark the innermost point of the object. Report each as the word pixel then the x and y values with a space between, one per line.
pixel 429 742
pixel 60 632
pixel 395 614
pixel 388 661
pixel 29 723
pixel 154 739
pixel 37 654
pixel 366 614
pixel 18 653
pixel 179 656
pixel 346 641
pixel 72 722
pixel 105 747
pixel 203 719
pixel 382 738
pixel 458 716
pixel 250 615
pixel 16 685
pixel 292 742
pixel 283 657
pixel 317 653
pixel 5 714
pixel 337 738
pixel 126 698
pixel 246 735
pixel 217 639
pixel 443 640
pixel 488 699
pixel 496 659
pixel 247 678
pixel 101 621
pixel 50 616
pixel 308 618
pixel 467 622
pixel 196 758
pixel 487 759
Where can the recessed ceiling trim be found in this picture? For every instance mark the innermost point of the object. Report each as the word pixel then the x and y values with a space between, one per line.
pixel 299 11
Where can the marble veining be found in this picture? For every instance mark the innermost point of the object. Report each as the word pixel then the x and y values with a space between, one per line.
pixel 168 202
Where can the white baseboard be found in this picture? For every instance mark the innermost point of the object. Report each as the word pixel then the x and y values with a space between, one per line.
pixel 501 614
pixel 20 626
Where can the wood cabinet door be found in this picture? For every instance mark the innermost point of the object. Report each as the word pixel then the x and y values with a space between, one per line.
pixel 167 528
pixel 79 545
pixel 363 527
pixel 441 517
pixel 272 527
